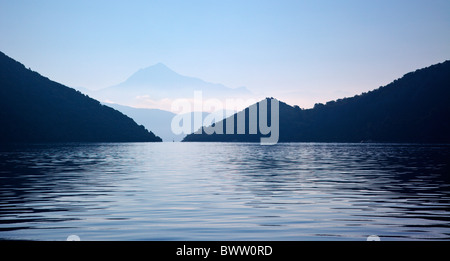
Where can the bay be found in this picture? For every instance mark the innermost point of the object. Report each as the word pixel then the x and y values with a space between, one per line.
pixel 224 191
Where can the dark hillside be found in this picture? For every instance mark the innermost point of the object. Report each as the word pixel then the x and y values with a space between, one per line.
pixel 414 108
pixel 36 109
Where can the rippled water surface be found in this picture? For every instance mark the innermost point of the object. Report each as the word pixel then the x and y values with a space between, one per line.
pixel 231 191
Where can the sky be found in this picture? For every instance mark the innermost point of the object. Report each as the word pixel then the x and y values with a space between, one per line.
pixel 301 52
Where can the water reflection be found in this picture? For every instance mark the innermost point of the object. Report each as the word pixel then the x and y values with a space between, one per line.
pixel 214 191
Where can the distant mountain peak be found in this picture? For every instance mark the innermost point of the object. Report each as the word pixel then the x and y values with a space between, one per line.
pixel 150 85
pixel 157 67
pixel 156 72
pixel 159 81
pixel 160 65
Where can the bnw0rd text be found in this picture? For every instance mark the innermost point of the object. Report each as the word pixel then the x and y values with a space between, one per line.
pixel 225 251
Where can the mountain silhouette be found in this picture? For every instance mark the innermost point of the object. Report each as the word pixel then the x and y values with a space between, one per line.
pixel 36 109
pixel 159 75
pixel 160 82
pixel 157 120
pixel 414 108
pixel 160 121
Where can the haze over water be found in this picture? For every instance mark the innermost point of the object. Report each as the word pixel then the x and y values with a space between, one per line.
pixel 224 191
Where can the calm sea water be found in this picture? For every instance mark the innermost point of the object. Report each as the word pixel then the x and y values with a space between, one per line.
pixel 224 191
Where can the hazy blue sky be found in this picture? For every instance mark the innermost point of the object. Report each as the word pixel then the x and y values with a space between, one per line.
pixel 301 52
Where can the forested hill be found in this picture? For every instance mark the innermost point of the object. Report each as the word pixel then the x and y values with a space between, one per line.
pixel 36 109
pixel 414 108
